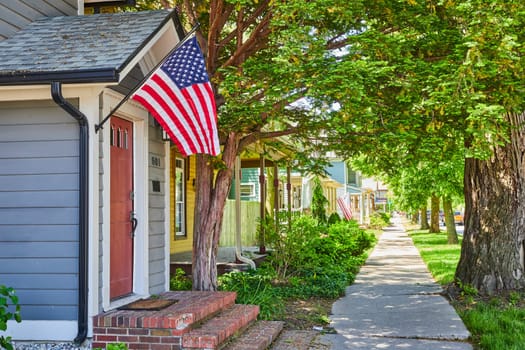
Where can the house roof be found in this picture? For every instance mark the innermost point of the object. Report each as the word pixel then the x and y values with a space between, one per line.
pixel 79 49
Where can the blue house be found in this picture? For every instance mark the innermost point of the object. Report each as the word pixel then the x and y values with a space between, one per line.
pixel 352 192
pixel 83 201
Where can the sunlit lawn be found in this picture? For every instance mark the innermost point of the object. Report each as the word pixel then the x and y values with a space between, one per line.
pixel 496 322
pixel 440 257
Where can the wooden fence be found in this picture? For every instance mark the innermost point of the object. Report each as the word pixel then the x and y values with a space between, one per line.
pixel 250 213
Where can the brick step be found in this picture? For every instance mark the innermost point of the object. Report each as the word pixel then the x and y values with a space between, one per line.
pixel 258 337
pixel 218 329
pixel 142 329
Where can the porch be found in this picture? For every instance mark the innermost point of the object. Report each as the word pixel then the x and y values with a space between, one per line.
pixel 226 260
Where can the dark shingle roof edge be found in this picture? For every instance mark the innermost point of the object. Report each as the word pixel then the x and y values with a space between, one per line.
pixel 107 75
pixel 80 49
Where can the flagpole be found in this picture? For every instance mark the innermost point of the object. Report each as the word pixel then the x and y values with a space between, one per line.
pixel 99 125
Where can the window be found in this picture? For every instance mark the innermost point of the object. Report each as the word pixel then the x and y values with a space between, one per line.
pixel 352 177
pixel 119 137
pixel 112 136
pixel 125 146
pixel 180 197
pixel 247 190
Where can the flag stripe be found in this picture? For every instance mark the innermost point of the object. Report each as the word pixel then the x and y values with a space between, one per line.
pixel 194 93
pixel 347 212
pixel 195 112
pixel 181 106
pixel 212 121
pixel 182 146
pixel 179 95
pixel 179 124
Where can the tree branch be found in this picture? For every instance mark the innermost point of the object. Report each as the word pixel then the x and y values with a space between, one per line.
pixel 260 33
pixel 255 136
pixel 246 23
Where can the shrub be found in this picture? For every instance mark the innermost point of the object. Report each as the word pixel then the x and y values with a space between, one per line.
pixel 379 220
pixel 321 282
pixel 334 218
pixel 254 287
pixel 180 281
pixel 114 346
pixel 307 259
pixel 292 248
pixel 8 301
pixel 117 346
pixel 319 202
pixel 317 260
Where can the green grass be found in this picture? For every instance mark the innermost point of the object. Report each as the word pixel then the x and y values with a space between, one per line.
pixel 496 322
pixel 495 327
pixel 440 257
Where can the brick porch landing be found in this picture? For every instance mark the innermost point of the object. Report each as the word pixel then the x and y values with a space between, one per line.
pixel 198 320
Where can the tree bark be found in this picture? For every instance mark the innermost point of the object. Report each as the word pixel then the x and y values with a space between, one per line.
pixel 434 214
pixel 424 219
pixel 210 201
pixel 492 251
pixel 452 235
pixel 415 217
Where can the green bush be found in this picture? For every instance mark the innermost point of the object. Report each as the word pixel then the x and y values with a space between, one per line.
pixel 379 220
pixel 307 259
pixel 295 247
pixel 317 260
pixel 115 346
pixel 180 281
pixel 334 218
pixel 322 282
pixel 319 202
pixel 8 302
pixel 254 287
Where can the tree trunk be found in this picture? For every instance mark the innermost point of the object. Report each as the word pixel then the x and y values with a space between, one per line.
pixel 415 217
pixel 452 234
pixel 424 219
pixel 492 251
pixel 434 214
pixel 210 201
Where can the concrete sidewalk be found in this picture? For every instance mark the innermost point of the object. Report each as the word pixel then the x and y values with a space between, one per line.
pixel 395 304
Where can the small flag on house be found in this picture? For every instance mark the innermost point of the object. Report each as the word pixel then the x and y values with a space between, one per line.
pixel 179 96
pixel 347 212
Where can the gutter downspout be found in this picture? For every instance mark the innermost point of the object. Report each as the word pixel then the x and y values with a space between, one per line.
pixel 56 93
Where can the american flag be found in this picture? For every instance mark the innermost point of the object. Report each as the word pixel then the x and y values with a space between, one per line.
pixel 345 208
pixel 179 95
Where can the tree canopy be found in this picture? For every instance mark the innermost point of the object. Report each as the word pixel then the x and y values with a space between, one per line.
pixel 417 82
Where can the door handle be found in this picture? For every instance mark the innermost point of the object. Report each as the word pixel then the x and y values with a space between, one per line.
pixel 134 223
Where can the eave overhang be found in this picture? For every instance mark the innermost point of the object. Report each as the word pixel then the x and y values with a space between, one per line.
pixel 167 33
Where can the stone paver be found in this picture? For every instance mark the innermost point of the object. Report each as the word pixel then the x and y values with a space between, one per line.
pixel 296 340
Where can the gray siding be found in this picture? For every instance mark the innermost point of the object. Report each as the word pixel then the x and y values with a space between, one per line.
pixel 16 14
pixel 39 208
pixel 157 234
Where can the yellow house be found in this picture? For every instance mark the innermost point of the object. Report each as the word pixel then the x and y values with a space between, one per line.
pixel 182 201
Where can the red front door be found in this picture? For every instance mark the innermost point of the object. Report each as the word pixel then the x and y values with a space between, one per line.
pixel 121 198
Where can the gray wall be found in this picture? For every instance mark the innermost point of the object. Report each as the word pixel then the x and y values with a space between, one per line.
pixel 16 14
pixel 39 208
pixel 157 218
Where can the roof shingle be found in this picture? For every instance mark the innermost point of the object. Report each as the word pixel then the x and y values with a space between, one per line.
pixel 69 44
